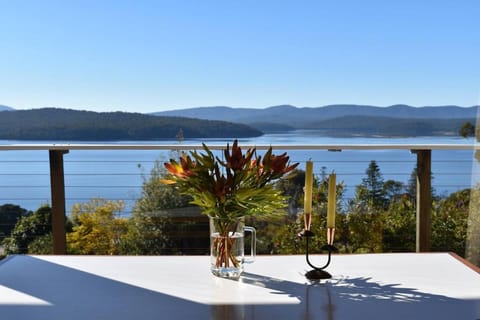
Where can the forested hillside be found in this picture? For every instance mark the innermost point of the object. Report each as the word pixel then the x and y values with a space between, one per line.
pixel 382 126
pixel 343 120
pixel 63 124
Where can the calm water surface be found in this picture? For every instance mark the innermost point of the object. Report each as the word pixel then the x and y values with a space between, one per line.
pixel 118 174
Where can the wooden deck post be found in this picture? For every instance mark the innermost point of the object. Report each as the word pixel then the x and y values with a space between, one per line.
pixel 57 186
pixel 424 200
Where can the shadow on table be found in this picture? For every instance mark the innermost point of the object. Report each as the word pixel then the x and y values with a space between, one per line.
pixel 363 298
pixel 73 294
pixel 69 293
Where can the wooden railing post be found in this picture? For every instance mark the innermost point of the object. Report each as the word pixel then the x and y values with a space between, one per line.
pixel 424 200
pixel 57 186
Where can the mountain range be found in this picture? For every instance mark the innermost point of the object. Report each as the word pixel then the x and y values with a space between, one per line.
pixel 343 119
pixel 287 114
pixel 203 122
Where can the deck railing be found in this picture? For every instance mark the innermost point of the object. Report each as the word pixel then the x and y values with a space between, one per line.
pixel 422 152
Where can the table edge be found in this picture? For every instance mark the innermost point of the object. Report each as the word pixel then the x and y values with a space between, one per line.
pixel 465 262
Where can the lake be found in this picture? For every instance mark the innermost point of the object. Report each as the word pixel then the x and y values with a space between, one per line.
pixel 118 174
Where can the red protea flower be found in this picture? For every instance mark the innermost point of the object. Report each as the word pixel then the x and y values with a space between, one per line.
pixel 236 186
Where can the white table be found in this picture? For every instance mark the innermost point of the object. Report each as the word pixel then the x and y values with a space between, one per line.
pixel 378 286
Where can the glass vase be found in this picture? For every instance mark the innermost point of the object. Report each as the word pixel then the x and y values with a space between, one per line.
pixel 227 246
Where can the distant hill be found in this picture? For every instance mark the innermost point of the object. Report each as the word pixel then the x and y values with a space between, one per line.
pixel 396 120
pixel 286 114
pixel 384 126
pixel 64 124
pixel 5 108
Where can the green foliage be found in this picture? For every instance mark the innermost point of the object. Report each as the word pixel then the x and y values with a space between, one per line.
pixel 371 192
pixel 467 130
pixel 361 227
pixel 381 218
pixel 96 229
pixel 365 225
pixel 9 215
pixel 41 245
pixel 158 224
pixel 284 236
pixel 28 229
pixel 449 223
pixel 156 195
pixel 399 227
pixel 284 231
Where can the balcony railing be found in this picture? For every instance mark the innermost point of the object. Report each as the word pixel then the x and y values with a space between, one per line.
pixel 421 159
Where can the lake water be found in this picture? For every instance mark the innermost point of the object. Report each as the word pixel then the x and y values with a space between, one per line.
pixel 118 174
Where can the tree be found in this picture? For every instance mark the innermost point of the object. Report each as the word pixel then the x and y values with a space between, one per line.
pixel 411 187
pixel 28 229
pixel 467 130
pixel 151 229
pixel 180 136
pixel 284 235
pixel 284 231
pixel 364 220
pixel 449 222
pixel 96 229
pixel 41 245
pixel 292 187
pixel 365 229
pixel 393 191
pixel 371 191
pixel 156 195
pixel 9 216
pixel 399 225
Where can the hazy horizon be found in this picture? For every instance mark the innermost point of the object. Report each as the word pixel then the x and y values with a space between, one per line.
pixel 232 107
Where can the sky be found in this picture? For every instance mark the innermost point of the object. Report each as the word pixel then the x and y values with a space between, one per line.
pixel 148 56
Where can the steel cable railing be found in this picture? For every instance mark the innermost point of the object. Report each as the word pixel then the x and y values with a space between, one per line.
pixel 102 172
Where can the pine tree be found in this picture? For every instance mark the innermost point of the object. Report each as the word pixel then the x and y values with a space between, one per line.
pixel 371 190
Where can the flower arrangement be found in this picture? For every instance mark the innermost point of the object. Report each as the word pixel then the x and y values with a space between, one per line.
pixel 228 189
pixel 234 187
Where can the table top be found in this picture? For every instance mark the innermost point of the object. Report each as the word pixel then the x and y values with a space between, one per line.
pixel 371 286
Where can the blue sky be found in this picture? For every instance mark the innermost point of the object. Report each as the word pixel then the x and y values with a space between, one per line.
pixel 150 56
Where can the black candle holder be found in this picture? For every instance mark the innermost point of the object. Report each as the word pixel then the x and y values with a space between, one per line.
pixel 318 273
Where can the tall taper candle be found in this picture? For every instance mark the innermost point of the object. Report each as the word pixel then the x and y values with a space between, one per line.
pixel 332 200
pixel 307 208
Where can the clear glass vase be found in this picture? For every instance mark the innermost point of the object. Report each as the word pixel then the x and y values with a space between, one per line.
pixel 227 246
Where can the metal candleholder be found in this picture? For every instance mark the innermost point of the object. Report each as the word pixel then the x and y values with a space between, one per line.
pixel 318 273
